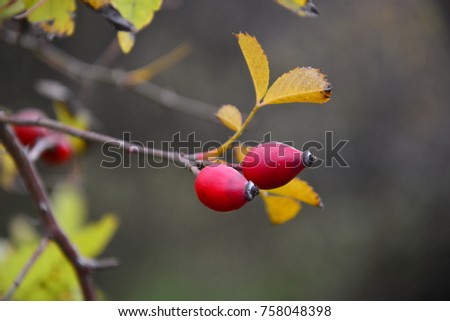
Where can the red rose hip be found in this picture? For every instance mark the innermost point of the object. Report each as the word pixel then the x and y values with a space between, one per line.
pixel 222 188
pixel 60 153
pixel 28 135
pixel 271 165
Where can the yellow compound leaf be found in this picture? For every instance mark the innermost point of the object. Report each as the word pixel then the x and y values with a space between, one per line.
pixel 303 8
pixel 257 63
pixel 230 116
pixel 126 41
pixel 55 17
pixel 280 209
pixel 139 12
pixel 299 190
pixel 97 4
pixel 300 85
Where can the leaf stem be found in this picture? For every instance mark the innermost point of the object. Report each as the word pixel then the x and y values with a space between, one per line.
pixel 220 150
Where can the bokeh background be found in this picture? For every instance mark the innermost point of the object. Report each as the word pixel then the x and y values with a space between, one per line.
pixel 384 233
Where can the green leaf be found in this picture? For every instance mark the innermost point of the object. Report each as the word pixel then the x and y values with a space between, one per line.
pixel 92 239
pixel 69 206
pixel 55 17
pixel 139 13
pixel 8 170
pixel 9 8
pixel 52 277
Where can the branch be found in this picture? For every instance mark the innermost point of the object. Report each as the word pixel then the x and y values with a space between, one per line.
pixel 78 70
pixel 35 187
pixel 178 158
pixel 106 58
pixel 41 247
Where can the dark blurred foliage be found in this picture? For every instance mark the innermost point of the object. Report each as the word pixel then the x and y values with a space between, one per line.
pixel 384 233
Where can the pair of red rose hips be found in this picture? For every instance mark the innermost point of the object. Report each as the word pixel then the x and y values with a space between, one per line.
pixel 62 150
pixel 266 166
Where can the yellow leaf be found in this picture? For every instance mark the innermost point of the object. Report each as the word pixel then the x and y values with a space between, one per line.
pixel 77 119
pixel 139 12
pixel 299 190
pixel 280 209
pixel 303 8
pixel 8 170
pixel 126 41
pixel 257 63
pixel 149 71
pixel 53 16
pixel 300 85
pixel 230 116
pixel 97 4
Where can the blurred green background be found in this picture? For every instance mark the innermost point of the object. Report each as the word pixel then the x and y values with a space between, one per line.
pixel 384 233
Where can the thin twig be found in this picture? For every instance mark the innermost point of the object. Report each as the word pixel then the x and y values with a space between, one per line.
pixel 106 58
pixel 78 70
pixel 35 187
pixel 178 158
pixel 37 253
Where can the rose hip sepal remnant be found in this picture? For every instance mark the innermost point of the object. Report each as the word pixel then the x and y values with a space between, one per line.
pixel 60 153
pixel 222 188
